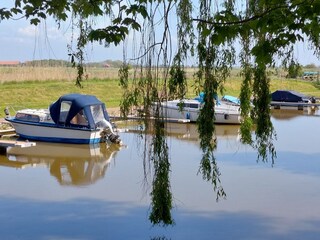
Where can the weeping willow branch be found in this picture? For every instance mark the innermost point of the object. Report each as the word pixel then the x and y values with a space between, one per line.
pixel 77 57
pixel 256 16
pixel 265 134
pixel 161 195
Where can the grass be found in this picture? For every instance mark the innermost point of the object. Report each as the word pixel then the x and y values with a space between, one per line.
pixel 25 92
pixel 40 94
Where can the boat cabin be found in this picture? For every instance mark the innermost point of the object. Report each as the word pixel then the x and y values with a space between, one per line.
pixel 78 110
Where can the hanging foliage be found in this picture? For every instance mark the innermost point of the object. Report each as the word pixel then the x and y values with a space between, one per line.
pixel 161 196
pixel 206 32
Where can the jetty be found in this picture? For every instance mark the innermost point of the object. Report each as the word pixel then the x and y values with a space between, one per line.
pixel 4 144
pixel 7 138
pixel 293 105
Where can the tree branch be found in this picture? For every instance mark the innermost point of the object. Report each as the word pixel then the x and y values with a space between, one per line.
pixel 255 17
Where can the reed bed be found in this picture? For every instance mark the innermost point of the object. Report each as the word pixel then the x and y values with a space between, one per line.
pixel 19 74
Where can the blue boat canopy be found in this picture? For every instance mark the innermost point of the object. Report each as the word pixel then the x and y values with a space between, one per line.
pixel 201 96
pixel 78 109
pixel 288 96
pixel 231 99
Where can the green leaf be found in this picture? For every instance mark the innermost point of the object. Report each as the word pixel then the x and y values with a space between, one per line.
pixel 16 10
pixel 35 21
pixel 42 15
pixel 135 26
pixel 5 14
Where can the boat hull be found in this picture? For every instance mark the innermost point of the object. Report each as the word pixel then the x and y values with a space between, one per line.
pixel 52 133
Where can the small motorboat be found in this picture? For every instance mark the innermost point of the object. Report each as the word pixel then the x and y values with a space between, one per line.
pixel 284 99
pixel 73 118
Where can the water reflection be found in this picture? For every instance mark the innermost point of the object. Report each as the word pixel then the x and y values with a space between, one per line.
pixel 263 201
pixel 160 170
pixel 186 131
pixel 287 114
pixel 70 164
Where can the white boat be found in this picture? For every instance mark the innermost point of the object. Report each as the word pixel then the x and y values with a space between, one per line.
pixel 189 109
pixel 73 118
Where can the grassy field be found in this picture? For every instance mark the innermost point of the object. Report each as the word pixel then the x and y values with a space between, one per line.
pixel 28 87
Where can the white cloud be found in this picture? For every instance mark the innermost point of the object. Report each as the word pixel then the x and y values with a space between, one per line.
pixel 28 31
pixel 54 33
pixel 43 30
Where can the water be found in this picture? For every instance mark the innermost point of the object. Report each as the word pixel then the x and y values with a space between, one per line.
pixel 57 191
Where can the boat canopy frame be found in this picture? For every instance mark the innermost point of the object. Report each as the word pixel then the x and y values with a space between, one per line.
pixel 79 103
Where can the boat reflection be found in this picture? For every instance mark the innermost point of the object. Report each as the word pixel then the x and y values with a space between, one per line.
pixel 287 114
pixel 70 164
pixel 190 131
pixel 186 131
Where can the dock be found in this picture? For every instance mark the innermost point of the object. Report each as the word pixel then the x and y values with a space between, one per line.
pixel 293 105
pixel 4 144
pixel 137 118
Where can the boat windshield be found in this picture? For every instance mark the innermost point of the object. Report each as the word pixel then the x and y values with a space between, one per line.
pixel 188 105
pixel 97 113
pixel 27 117
pixel 64 110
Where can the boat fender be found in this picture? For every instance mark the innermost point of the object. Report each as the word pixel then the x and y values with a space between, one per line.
pixel 187 115
pixel 226 116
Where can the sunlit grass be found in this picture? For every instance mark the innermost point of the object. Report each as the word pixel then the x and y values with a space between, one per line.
pixel 40 94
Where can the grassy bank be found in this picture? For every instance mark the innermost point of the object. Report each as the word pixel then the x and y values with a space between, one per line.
pixel 19 91
pixel 40 94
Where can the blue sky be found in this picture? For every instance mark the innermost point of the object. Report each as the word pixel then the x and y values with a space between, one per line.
pixel 24 42
pixel 21 41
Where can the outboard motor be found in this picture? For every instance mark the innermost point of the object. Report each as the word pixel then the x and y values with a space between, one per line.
pixel 108 133
pixel 312 100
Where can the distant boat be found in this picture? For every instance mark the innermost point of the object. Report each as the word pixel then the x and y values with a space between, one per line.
pixel 284 99
pixel 73 118
pixel 189 109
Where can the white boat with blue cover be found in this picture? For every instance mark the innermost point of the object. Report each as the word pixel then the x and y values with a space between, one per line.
pixel 73 118
pixel 189 109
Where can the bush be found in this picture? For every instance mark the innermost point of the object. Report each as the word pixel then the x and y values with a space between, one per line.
pixel 294 70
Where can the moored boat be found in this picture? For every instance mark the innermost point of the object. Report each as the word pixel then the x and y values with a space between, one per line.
pixel 73 118
pixel 189 109
pixel 285 99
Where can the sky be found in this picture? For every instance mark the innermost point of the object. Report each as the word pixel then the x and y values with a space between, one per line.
pixel 22 42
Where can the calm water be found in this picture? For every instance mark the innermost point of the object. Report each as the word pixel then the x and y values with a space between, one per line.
pixel 54 191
